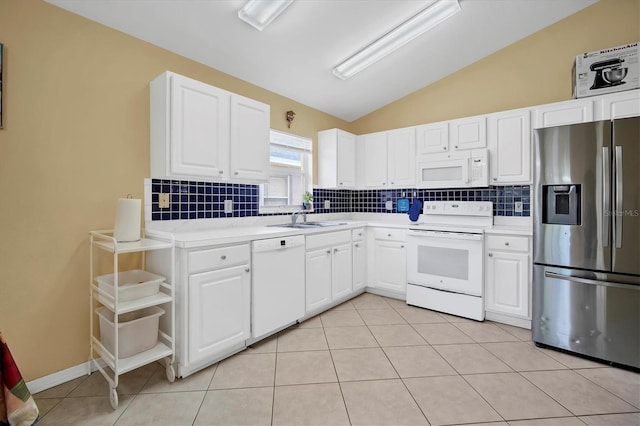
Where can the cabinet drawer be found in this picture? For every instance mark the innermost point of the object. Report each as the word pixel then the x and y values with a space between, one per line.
pixel 357 234
pixel 218 258
pixel 328 239
pixel 389 234
pixel 507 242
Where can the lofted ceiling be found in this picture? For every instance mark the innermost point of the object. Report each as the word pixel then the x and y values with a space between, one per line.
pixel 294 56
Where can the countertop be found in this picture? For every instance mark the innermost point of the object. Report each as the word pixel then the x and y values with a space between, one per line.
pixel 194 234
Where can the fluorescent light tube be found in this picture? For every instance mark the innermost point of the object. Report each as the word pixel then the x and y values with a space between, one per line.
pixel 260 13
pixel 426 19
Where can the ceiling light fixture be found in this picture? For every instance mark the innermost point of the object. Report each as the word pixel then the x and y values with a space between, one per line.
pixel 426 19
pixel 260 13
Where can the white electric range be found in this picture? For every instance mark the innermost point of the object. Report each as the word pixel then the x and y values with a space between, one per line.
pixel 445 257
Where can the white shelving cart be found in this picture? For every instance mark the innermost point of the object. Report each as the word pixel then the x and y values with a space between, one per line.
pixel 134 308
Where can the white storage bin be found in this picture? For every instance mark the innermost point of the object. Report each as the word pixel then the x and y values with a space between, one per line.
pixel 132 285
pixel 137 330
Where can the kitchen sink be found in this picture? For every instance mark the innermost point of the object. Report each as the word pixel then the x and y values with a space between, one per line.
pixel 304 225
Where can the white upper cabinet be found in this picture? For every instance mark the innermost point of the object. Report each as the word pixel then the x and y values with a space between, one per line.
pixel 249 159
pixel 509 137
pixel 454 135
pixel 199 131
pixel 336 159
pixel 374 148
pixel 468 133
pixel 389 158
pixel 189 128
pixel 401 154
pixel 618 105
pixel 432 138
pixel 562 113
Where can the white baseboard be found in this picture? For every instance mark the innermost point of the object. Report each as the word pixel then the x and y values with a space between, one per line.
pixel 509 320
pixel 60 377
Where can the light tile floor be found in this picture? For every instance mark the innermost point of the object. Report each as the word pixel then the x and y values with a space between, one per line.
pixel 369 361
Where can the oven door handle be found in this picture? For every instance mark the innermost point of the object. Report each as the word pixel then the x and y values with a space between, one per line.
pixel 445 235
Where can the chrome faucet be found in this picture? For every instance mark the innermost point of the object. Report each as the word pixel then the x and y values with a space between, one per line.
pixel 297 213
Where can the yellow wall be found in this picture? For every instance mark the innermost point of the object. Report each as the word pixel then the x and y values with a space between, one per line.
pixel 536 70
pixel 76 138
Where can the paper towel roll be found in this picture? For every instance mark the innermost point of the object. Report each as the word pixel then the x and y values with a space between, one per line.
pixel 127 226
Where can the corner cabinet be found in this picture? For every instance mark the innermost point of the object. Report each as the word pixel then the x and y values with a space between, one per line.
pixel 359 248
pixel 336 159
pixel 390 260
pixel 204 132
pixel 509 135
pixel 508 279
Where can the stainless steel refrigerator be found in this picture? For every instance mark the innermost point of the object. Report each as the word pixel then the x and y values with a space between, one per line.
pixel 586 273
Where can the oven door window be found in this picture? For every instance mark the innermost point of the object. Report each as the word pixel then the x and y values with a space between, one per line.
pixel 450 264
pixel 443 262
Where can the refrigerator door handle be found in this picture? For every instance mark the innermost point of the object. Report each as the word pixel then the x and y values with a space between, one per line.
pixel 548 274
pixel 618 213
pixel 606 194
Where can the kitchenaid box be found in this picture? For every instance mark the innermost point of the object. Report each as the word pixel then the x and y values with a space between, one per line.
pixel 606 71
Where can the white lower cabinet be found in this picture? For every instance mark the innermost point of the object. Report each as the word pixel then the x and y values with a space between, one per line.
pixel 508 275
pixel 318 279
pixel 359 250
pixel 390 260
pixel 328 268
pixel 213 303
pixel 219 316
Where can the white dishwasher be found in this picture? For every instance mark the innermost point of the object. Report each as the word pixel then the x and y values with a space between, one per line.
pixel 277 284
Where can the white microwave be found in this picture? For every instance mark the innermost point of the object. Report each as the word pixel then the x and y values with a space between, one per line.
pixel 460 169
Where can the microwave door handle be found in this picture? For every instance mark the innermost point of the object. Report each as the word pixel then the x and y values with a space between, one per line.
pixel 606 194
pixel 617 216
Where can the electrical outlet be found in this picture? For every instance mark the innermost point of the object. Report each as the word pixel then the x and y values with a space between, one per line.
pixel 518 207
pixel 327 204
pixel 163 201
pixel 389 205
pixel 228 206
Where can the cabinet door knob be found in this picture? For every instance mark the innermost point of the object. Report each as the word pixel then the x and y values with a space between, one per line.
pixel 507 243
pixel 402 246
pixel 247 270
pixel 340 183
pixel 388 235
pixel 235 173
pixel 223 257
pixel 444 148
pixel 328 251
pixel 490 254
pixel 359 234
pixel 384 183
pixel 357 245
pixel 392 183
pixel 221 171
pixel 495 178
pixel 456 147
pixel 335 250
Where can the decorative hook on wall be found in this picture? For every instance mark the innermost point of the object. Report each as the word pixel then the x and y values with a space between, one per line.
pixel 290 116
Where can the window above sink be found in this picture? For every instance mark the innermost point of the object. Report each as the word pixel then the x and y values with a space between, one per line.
pixel 290 173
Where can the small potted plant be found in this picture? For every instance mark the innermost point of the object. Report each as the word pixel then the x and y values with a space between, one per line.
pixel 307 200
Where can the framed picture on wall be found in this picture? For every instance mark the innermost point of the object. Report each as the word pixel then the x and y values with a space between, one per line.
pixel 1 82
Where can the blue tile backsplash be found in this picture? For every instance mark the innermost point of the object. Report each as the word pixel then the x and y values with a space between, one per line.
pixel 200 200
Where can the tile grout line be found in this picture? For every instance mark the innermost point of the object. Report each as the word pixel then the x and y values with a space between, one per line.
pixel 335 370
pixel 275 369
